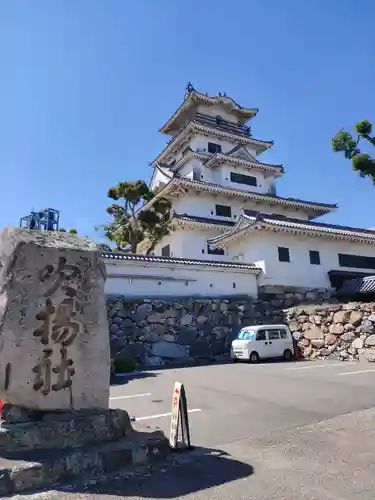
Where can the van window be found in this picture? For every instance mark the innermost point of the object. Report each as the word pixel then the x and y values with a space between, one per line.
pixel 261 335
pixel 273 334
pixel 283 334
pixel 246 334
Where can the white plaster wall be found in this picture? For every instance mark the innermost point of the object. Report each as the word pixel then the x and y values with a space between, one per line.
pixel 221 175
pixel 203 204
pixel 217 110
pixel 263 184
pixel 159 177
pixel 150 280
pixel 194 244
pixel 190 244
pixel 200 142
pixel 188 169
pixel 175 243
pixel 262 250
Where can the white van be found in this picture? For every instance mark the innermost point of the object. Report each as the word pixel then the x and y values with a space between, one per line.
pixel 263 341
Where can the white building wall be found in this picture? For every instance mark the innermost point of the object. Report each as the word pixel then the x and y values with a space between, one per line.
pixel 174 241
pixel 224 171
pixel 190 244
pixel 200 143
pixel 262 250
pixel 221 175
pixel 194 244
pixel 161 280
pixel 217 111
pixel 203 205
pixel 159 178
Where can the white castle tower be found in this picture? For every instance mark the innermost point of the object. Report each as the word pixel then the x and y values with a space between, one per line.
pixel 225 205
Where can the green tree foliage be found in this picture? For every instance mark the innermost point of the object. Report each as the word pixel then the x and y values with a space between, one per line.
pixel 346 143
pixel 127 229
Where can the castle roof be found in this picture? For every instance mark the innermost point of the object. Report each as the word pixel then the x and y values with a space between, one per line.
pixel 196 126
pixel 205 221
pixel 218 159
pixel 361 285
pixel 251 220
pixel 214 160
pixel 152 259
pixel 193 98
pixel 178 185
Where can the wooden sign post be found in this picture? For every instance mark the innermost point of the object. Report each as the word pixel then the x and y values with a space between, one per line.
pixel 179 419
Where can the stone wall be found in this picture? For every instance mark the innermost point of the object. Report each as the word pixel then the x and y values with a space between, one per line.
pixel 344 331
pixel 158 332
pixel 162 332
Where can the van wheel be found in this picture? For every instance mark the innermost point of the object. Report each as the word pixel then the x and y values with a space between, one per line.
pixel 288 355
pixel 254 357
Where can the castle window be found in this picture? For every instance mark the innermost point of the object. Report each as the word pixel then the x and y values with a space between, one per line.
pixel 214 148
pixel 166 251
pixel 283 254
pixel 314 257
pixel 249 180
pixel 223 211
pixel 214 251
pixel 357 261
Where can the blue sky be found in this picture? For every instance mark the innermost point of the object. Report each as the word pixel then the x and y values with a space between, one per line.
pixel 86 84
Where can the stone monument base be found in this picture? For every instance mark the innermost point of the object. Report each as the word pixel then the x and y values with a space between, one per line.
pixel 47 449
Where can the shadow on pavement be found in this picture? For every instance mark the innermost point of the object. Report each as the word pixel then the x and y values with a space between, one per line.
pixel 183 474
pixel 125 378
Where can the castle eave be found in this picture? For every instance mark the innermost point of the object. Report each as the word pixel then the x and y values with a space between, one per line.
pixel 254 221
pixel 192 128
pixel 194 98
pixel 188 220
pixel 220 158
pixel 135 259
pixel 178 186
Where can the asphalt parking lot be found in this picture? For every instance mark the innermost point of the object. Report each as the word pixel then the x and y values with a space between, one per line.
pixel 231 402
pixel 295 431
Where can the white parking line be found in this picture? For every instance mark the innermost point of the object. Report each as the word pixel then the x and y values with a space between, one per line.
pixel 132 396
pixel 320 366
pixel 355 373
pixel 149 417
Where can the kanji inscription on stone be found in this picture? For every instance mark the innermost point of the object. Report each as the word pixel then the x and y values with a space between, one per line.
pixel 45 315
pixel 42 370
pixel 64 371
pixel 61 273
pixel 54 351
pixel 59 322
pixel 60 326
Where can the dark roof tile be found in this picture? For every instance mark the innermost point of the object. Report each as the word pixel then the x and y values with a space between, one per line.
pixel 204 220
pixel 176 260
pixel 323 225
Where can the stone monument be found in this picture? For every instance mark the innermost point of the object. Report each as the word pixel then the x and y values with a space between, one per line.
pixel 55 367
pixel 54 342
